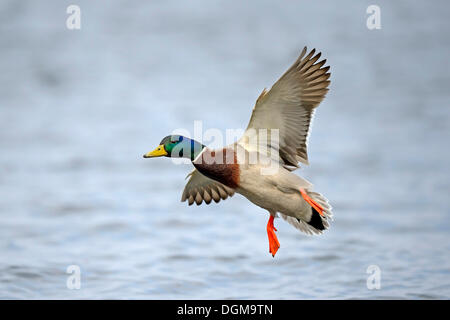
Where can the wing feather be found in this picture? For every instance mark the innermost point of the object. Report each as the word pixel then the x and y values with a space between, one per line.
pixel 200 188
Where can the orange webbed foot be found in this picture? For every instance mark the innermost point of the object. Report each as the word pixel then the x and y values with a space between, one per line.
pixel 273 240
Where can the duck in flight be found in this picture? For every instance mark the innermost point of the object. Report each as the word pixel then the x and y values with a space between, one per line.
pixel 259 165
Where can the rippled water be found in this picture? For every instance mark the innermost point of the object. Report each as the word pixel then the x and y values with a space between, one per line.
pixel 79 108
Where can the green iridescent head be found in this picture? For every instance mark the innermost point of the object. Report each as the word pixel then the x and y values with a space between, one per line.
pixel 176 146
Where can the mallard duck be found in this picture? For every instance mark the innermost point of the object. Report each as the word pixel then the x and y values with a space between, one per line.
pixel 276 137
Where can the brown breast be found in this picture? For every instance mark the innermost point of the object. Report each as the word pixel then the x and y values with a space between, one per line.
pixel 220 165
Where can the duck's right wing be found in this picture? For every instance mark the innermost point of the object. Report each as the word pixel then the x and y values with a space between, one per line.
pixel 201 188
pixel 288 107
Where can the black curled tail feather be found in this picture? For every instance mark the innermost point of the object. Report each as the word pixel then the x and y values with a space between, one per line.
pixel 316 220
pixel 317 223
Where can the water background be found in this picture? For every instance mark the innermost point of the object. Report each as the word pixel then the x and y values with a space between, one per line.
pixel 79 108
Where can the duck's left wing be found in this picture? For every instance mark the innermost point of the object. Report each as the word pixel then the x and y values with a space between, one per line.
pixel 289 106
pixel 201 188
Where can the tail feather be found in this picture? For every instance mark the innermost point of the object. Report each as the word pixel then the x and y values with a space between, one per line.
pixel 320 216
pixel 316 220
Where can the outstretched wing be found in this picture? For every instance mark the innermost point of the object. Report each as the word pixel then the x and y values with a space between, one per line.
pixel 201 188
pixel 289 106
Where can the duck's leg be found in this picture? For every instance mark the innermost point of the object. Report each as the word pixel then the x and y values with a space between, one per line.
pixel 273 241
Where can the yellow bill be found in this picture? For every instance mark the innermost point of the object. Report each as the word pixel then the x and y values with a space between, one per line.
pixel 160 151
